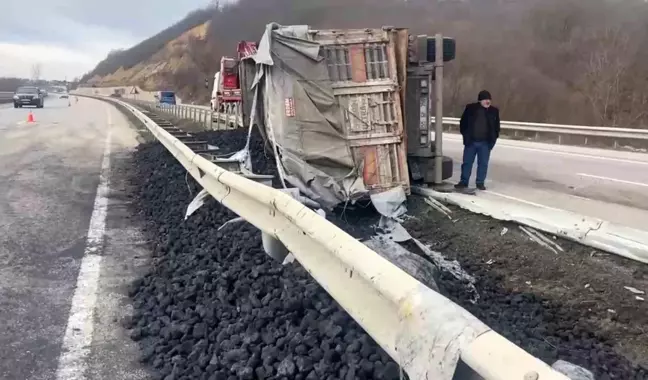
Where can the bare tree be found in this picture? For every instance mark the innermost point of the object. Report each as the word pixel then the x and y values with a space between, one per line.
pixel 609 83
pixel 36 72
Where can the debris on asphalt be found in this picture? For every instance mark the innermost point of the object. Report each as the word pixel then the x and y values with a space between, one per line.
pixel 634 290
pixel 537 239
pixel 440 207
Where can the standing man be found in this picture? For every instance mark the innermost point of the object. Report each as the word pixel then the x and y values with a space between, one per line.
pixel 480 127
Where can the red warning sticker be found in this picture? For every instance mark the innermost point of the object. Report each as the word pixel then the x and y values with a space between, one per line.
pixel 289 105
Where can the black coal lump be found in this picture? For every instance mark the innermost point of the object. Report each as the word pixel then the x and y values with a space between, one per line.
pixel 233 140
pixel 215 306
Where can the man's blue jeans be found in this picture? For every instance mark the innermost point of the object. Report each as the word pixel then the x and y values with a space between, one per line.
pixel 481 150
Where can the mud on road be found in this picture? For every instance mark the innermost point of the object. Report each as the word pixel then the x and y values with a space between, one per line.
pixel 571 305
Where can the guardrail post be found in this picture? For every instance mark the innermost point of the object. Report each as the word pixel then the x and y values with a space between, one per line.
pixel 211 119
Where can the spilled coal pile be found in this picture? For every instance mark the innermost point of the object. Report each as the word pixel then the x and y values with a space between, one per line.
pixel 215 306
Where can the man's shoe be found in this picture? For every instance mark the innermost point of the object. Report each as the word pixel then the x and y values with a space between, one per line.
pixel 481 186
pixel 461 186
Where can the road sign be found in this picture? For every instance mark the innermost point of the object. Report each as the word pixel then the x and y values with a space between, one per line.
pixel 134 91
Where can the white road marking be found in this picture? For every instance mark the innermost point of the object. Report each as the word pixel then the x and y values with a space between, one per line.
pixel 80 325
pixel 613 180
pixel 522 200
pixel 581 155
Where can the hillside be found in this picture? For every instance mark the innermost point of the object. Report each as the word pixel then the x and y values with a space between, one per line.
pixel 172 59
pixel 570 61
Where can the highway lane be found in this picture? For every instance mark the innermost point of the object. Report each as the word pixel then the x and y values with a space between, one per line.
pixel 57 319
pixel 607 184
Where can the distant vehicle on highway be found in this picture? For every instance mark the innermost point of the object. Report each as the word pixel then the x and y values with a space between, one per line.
pixel 28 96
pixel 166 97
pixel 59 91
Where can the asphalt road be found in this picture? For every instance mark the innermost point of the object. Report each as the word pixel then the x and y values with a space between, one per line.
pixel 607 184
pixel 60 311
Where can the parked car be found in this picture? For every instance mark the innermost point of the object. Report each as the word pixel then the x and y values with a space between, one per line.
pixel 28 96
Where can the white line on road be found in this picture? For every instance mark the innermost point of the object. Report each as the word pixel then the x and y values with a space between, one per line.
pixel 80 325
pixel 522 200
pixel 581 155
pixel 613 180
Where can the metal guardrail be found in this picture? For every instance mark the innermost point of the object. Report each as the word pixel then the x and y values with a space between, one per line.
pixel 184 111
pixel 564 129
pixel 420 329
pixel 6 97
pixel 199 114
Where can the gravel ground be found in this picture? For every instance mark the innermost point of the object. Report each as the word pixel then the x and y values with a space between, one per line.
pixel 571 305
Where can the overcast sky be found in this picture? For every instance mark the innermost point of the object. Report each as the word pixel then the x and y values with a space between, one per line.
pixel 69 37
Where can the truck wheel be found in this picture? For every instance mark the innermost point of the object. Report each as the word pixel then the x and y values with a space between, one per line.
pixel 40 105
pixel 15 105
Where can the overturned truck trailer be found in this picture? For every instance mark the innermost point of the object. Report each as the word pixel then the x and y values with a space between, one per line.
pixel 330 104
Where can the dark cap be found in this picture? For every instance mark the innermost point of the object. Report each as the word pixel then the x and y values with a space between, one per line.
pixel 484 95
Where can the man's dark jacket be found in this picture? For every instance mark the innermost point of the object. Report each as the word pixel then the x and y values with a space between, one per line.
pixel 467 123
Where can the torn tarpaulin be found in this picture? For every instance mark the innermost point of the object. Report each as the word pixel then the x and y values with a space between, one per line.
pixel 197 202
pixel 312 127
pixel 315 155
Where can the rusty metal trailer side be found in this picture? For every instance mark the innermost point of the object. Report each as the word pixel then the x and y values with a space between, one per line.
pixel 364 67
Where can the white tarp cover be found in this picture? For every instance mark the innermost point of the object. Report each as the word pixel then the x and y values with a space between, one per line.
pixel 302 119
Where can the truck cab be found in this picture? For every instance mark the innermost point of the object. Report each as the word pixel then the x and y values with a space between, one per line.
pixel 227 88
